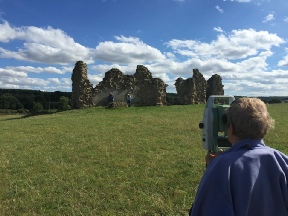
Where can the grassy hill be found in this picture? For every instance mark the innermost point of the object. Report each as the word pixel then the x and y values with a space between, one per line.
pixel 97 161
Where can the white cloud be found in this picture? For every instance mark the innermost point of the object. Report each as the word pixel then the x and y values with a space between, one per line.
pixel 11 73
pixel 103 68
pixel 66 81
pixel 238 44
pixel 50 84
pixel 284 62
pixel 17 78
pixel 46 45
pixel 30 69
pixel 127 50
pixel 26 81
pixel 95 78
pixel 219 9
pixel 54 81
pixel 269 18
pixel 239 56
pixel 8 33
pixel 218 29
pixel 285 19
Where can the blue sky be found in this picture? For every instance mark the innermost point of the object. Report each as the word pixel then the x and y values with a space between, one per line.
pixel 244 41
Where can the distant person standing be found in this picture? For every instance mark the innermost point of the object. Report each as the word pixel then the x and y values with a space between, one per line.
pixel 128 100
pixel 110 100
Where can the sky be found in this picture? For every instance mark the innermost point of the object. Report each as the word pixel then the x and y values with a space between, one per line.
pixel 244 41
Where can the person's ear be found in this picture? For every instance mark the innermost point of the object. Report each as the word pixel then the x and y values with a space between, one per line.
pixel 230 128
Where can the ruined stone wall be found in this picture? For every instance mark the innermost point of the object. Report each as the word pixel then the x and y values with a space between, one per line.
pixel 192 90
pixel 196 89
pixel 117 83
pixel 185 90
pixel 81 87
pixel 214 86
pixel 149 91
pixel 200 85
pixel 144 89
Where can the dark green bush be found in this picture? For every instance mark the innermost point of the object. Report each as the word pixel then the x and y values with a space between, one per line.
pixel 274 100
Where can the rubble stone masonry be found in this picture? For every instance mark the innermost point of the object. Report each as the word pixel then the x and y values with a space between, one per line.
pixel 143 88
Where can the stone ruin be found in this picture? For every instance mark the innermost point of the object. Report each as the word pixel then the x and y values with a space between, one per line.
pixel 192 90
pixel 196 90
pixel 149 91
pixel 143 88
pixel 81 87
pixel 214 86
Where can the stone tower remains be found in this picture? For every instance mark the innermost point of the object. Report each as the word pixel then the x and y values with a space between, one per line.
pixel 214 86
pixel 192 90
pixel 81 87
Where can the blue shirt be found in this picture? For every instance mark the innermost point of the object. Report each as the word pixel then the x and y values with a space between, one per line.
pixel 249 179
pixel 128 97
pixel 111 98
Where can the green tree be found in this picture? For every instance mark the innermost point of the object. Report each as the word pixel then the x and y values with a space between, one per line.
pixel 8 101
pixel 38 107
pixel 64 103
pixel 274 100
pixel 27 100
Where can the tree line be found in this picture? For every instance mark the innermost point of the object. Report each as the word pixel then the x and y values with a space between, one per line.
pixel 18 99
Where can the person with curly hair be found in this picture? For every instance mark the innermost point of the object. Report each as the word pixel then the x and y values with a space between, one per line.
pixel 250 178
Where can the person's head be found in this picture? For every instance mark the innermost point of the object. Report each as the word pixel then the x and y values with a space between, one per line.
pixel 249 118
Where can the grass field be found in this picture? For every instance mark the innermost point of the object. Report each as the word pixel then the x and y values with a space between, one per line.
pixel 97 161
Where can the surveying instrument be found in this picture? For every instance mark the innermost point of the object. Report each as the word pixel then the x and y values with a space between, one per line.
pixel 214 133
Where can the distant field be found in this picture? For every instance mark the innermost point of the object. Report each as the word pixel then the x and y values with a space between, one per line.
pixel 97 161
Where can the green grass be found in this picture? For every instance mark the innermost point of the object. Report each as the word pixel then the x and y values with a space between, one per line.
pixel 97 161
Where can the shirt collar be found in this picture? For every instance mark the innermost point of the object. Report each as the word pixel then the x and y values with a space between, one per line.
pixel 246 143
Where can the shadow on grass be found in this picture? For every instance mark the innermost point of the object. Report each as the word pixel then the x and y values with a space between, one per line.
pixel 39 113
pixel 31 114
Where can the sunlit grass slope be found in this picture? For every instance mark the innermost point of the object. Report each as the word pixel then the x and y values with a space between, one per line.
pixel 97 161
